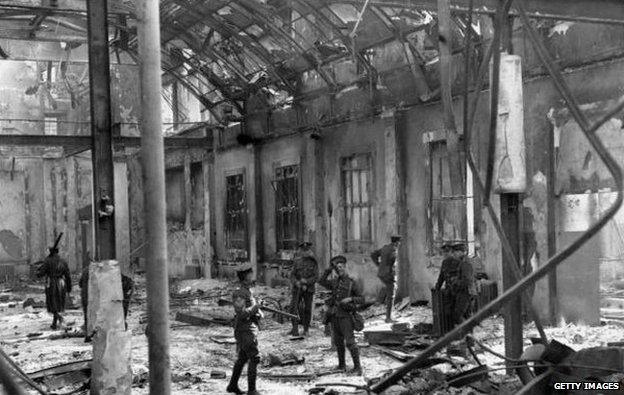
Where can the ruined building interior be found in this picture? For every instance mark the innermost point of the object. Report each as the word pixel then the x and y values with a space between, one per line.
pixel 178 142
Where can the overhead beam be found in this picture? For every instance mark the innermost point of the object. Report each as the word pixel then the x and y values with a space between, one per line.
pixel 64 7
pixel 86 141
pixel 599 11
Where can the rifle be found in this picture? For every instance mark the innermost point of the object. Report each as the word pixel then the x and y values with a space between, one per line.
pixel 58 240
pixel 225 302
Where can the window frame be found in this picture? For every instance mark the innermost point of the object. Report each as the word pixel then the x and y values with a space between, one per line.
pixel 244 210
pixel 351 244
pixel 280 242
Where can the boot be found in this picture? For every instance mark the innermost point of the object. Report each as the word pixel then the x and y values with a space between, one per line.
pixel 306 330
pixel 236 373
pixel 295 331
pixel 355 354
pixel 252 373
pixel 389 313
pixel 342 366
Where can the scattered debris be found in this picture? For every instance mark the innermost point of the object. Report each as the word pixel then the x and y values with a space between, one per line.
pixel 217 374
pixel 199 318
pixel 284 360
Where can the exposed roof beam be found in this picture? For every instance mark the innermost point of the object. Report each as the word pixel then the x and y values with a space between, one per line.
pixel 87 141
pixel 600 11
pixel 65 7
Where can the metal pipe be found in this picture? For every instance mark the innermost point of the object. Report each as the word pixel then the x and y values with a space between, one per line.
pixel 153 163
pixel 553 262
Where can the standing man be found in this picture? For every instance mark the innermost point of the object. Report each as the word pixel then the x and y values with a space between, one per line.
pixel 58 284
pixel 346 294
pixel 385 258
pixel 456 276
pixel 246 321
pixel 303 278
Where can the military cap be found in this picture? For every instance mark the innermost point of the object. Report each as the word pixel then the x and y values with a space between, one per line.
pixel 338 259
pixel 305 244
pixel 394 239
pixel 242 271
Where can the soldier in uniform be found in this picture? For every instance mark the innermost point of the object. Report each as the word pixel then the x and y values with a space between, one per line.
pixel 246 321
pixel 346 294
pixel 303 277
pixel 456 276
pixel 385 258
pixel 58 284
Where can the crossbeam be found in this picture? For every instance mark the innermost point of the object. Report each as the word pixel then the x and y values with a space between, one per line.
pixel 87 141
pixel 598 11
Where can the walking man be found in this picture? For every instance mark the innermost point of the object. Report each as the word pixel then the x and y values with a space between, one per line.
pixel 246 321
pixel 456 276
pixel 58 284
pixel 303 278
pixel 346 294
pixel 385 258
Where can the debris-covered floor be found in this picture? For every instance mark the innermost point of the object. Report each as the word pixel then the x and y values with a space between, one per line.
pixel 201 354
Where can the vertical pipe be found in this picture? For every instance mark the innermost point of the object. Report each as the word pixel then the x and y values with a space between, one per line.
pixel 510 207
pixel 553 308
pixel 101 131
pixel 153 161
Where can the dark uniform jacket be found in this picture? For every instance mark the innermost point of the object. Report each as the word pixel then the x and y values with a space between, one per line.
pixel 386 265
pixel 247 318
pixel 342 287
pixel 456 274
pixel 307 270
pixel 58 284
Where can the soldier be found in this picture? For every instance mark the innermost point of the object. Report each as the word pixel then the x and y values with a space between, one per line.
pixel 303 277
pixel 58 285
pixel 127 288
pixel 385 259
pixel 456 276
pixel 346 294
pixel 246 321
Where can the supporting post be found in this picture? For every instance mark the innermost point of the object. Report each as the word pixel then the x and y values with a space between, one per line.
pixel 259 224
pixel 446 81
pixel 102 153
pixel 551 226
pixel 510 206
pixel 153 160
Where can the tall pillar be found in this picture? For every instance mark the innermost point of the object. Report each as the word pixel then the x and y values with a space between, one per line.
pixel 509 180
pixel 102 152
pixel 111 372
pixel 153 161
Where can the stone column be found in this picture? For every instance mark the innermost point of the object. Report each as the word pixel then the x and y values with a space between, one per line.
pixel 110 371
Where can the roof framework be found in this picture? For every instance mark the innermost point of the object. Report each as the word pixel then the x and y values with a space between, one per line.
pixel 223 50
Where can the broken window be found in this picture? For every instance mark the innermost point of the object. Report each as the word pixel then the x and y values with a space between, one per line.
pixel 449 214
pixel 357 195
pixel 236 236
pixel 287 207
pixel 197 196
pixel 174 186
